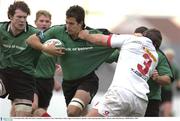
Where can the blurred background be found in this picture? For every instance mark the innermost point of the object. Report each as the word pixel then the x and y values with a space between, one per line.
pixel 118 16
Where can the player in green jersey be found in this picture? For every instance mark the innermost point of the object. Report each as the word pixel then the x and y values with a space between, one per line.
pixel 18 60
pixel 79 62
pixel 45 70
pixel 163 76
pixel 167 91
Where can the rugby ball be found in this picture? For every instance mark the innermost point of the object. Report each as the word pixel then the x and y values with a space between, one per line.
pixel 57 42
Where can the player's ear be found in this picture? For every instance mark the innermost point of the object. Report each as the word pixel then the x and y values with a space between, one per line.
pixel 82 25
pixel 10 17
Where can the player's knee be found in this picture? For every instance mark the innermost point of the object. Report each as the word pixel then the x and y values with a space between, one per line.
pixel 75 107
pixel 73 112
pixel 22 110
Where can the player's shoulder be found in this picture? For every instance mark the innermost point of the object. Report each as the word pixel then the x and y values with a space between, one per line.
pixel 4 23
pixel 56 28
pixel 161 54
pixel 31 29
pixel 99 30
pixel 61 26
pixel 93 30
pixel 144 38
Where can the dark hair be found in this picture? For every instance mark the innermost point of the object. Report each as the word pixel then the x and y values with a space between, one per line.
pixel 77 12
pixel 18 5
pixel 140 29
pixel 155 36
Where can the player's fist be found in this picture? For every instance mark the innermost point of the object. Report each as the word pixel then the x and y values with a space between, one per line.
pixel 83 34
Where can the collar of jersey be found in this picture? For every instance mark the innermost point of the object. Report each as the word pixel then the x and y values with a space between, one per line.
pixel 9 27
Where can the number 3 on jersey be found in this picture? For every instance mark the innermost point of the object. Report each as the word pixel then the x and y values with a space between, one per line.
pixel 147 63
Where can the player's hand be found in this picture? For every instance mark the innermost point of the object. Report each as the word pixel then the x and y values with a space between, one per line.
pixel 155 75
pixel 83 34
pixel 53 50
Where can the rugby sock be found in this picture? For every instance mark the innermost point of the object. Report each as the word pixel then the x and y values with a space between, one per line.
pixel 45 115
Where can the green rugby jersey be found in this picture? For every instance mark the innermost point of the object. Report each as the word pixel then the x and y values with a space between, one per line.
pixel 81 57
pixel 46 66
pixel 113 57
pixel 163 69
pixel 15 53
pixel 176 71
pixel 176 77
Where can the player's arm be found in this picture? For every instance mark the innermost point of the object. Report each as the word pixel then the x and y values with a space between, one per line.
pixel 161 79
pixel 163 75
pixel 98 39
pixel 35 42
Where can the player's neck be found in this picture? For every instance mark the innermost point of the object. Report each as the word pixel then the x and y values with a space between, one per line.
pixel 14 30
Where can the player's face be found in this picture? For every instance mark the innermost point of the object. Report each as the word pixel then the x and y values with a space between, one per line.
pixel 72 26
pixel 43 22
pixel 18 21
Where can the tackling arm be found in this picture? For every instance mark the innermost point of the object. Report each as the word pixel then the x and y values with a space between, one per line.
pixel 98 39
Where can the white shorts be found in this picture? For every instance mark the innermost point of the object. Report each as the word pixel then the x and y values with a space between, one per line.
pixel 121 102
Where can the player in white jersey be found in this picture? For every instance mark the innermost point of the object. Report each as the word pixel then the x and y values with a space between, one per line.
pixel 126 95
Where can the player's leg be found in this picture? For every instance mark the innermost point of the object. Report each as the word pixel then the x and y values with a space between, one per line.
pixel 23 107
pixel 35 102
pixel 78 103
pixel 21 92
pixel 153 108
pixel 2 86
pixel 12 112
pixel 84 90
pixel 44 92
pixel 35 99
pixel 166 109
pixel 138 107
pixel 45 88
pixel 40 112
pixel 166 105
pixel 117 102
pixel 108 105
pixel 93 113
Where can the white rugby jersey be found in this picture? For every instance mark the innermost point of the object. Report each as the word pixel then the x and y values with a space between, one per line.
pixel 136 63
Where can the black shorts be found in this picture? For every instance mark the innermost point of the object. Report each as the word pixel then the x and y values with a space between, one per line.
pixel 166 95
pixel 153 108
pixel 18 84
pixel 88 83
pixel 44 90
